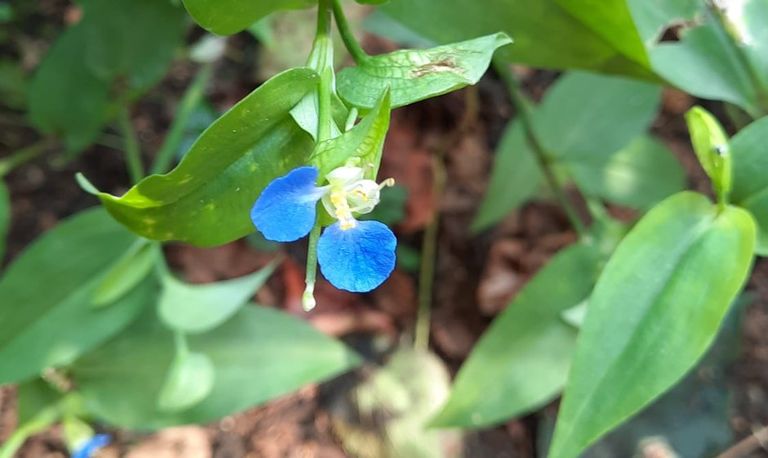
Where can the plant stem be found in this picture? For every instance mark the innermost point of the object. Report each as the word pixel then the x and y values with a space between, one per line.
pixel 132 151
pixel 350 42
pixel 23 156
pixel 39 423
pixel 539 152
pixel 308 299
pixel 191 99
pixel 324 48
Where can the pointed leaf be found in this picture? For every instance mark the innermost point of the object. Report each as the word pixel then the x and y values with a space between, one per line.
pixel 750 180
pixel 258 355
pixel 654 311
pixel 126 273
pixel 226 17
pixel 47 316
pixel 522 360
pixel 711 146
pixel 190 380
pixel 200 308
pixel 418 74
pixel 206 199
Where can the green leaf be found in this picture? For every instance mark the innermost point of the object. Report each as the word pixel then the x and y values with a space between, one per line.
pixel 5 217
pixel 652 18
pixel 711 146
pixel 226 17
pixel 640 175
pixel 132 39
pixel 545 34
pixel 654 311
pixel 522 360
pixel 200 308
pixel 206 199
pixel 65 97
pixel 258 355
pixel 47 316
pixel 125 274
pixel 515 177
pixel 189 381
pixel 418 74
pixel 364 142
pixel 750 181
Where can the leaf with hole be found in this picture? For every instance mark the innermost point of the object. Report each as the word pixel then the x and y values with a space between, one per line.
pixel 655 310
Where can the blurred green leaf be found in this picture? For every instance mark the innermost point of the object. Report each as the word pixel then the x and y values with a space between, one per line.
pixel 129 270
pixel 583 119
pixel 13 84
pixel 258 355
pixel 226 17
pixel 750 180
pixel 65 97
pixel 131 39
pixel 418 74
pixel 364 142
pixel 200 308
pixel 5 217
pixel 47 316
pixel 654 311
pixel 652 18
pixel 206 199
pixel 546 35
pixel 34 396
pixel 515 177
pixel 711 146
pixel 190 380
pixel 640 175
pixel 522 360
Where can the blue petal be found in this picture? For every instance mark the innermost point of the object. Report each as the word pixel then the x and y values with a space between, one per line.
pixel 286 209
pixel 357 259
pixel 91 446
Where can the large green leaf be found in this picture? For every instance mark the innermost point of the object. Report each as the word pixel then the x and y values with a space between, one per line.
pixel 545 34
pixel 200 308
pixel 640 175
pixel 654 311
pixel 750 180
pixel 206 199
pixel 135 39
pixel 583 119
pixel 47 316
pixel 65 97
pixel 226 17
pixel 522 360
pixel 417 74
pixel 258 355
pixel 5 216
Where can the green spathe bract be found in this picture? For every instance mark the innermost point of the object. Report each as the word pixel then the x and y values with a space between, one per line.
pixel 654 311
pixel 205 200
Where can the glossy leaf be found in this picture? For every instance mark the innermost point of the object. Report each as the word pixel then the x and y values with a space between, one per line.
pixel 522 360
pixel 117 47
pixel 258 355
pixel 364 142
pixel 226 17
pixel 545 34
pixel 65 97
pixel 654 311
pixel 206 199
pixel 5 217
pixel 190 380
pixel 711 146
pixel 417 74
pixel 750 180
pixel 200 308
pixel 515 177
pixel 640 175
pixel 47 316
pixel 126 273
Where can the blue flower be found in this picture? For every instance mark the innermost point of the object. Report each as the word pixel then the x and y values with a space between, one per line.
pixel 91 446
pixel 353 255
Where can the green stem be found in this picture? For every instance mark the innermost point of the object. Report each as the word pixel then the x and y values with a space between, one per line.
pixel 323 51
pixel 308 299
pixel 539 152
pixel 191 99
pixel 350 42
pixel 132 151
pixel 428 259
pixel 23 156
pixel 44 419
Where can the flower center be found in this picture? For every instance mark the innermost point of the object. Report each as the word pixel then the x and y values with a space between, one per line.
pixel 351 194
